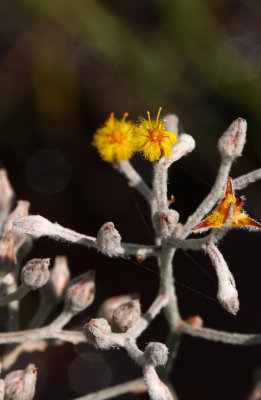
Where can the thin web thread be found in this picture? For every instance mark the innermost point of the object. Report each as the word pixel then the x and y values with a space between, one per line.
pixel 148 230
pixel 176 282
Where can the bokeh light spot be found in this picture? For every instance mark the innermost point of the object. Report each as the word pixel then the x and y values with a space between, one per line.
pixel 48 172
pixel 88 373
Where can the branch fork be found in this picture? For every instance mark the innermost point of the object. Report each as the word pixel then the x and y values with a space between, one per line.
pixel 120 321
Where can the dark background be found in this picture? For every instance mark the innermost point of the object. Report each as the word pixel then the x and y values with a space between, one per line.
pixel 65 65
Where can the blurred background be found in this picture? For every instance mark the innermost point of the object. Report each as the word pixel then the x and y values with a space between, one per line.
pixel 65 65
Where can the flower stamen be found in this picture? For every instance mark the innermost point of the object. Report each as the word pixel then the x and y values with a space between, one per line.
pixel 149 119
pixel 157 119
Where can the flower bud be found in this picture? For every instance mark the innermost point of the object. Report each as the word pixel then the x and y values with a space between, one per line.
pixel 227 293
pixel 108 239
pixel 6 194
pixel 97 332
pixel 80 293
pixel 156 353
pixel 7 254
pixel 195 320
pixel 165 221
pixel 108 306
pixel 20 385
pixel 35 273
pixel 233 140
pixel 21 210
pixel 126 315
pixel 59 279
pixel 228 297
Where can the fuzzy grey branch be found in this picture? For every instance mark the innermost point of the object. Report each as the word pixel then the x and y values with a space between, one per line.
pixel 54 330
pixel 214 236
pixel 227 294
pixel 130 249
pixel 133 351
pixel 185 145
pixel 38 226
pixel 28 347
pixel 244 180
pixel 11 286
pixel 61 320
pixel 18 294
pixel 127 319
pixel 156 388
pixel 211 199
pixel 135 386
pixel 76 337
pixel 220 336
pixel 188 244
pixel 46 332
pixel 155 354
pixel 98 331
pixel 230 146
pixel 155 308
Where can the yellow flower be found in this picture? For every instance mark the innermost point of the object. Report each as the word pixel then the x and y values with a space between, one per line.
pixel 113 140
pixel 219 217
pixel 151 138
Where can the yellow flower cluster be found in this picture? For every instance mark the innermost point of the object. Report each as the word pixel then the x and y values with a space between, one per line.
pixel 113 140
pixel 117 140
pixel 152 139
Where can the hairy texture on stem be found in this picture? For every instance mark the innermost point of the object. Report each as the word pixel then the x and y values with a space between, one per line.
pixel 244 180
pixel 134 386
pixel 154 354
pixel 121 322
pixel 185 145
pixel 227 294
pixel 37 226
pixel 212 198
pixel 220 336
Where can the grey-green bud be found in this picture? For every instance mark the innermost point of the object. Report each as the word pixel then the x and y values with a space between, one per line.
pixel 156 353
pixel 80 293
pixel 126 315
pixel 35 273
pixel 97 332
pixel 20 385
pixel 108 239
